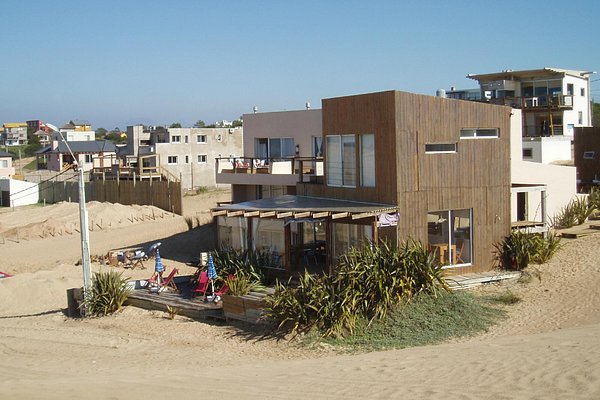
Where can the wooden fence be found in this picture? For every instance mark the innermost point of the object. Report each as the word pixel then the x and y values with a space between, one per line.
pixel 166 195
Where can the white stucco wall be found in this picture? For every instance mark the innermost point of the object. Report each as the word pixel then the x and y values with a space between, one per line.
pixel 547 149
pixel 21 193
pixel 560 180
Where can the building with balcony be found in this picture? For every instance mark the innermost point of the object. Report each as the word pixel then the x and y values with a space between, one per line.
pixel 14 133
pixel 75 131
pixel 553 102
pixel 279 150
pixel 370 167
pixel 187 154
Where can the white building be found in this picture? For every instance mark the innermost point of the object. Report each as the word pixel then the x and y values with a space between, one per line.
pixel 14 193
pixel 553 102
pixel 188 154
pixel 14 133
pixel 75 131
pixel 538 191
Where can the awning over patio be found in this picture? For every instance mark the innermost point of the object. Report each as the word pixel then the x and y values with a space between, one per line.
pixel 289 206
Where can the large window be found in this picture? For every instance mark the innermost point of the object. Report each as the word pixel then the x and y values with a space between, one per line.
pixel 341 160
pixel 176 139
pixel 201 158
pixel 346 236
pixel 232 233
pixel 269 240
pixel 172 160
pixel 200 138
pixel 275 148
pixel 449 236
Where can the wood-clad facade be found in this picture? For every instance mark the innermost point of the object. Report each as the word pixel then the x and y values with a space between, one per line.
pixel 587 157
pixel 432 169
pixel 474 178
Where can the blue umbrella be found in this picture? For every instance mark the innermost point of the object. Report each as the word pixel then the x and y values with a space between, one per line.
pixel 211 272
pixel 158 268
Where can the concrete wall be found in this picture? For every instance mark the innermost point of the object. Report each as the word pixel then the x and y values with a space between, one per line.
pixel 560 180
pixel 220 142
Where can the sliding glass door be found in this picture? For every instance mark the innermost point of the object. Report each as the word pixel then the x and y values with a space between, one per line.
pixel 450 236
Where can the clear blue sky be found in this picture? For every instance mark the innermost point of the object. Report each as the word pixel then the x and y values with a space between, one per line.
pixel 117 63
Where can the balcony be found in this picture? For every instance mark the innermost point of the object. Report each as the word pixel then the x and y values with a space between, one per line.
pixel 271 171
pixel 558 102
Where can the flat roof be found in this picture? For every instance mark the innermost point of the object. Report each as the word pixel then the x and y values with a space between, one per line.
pixel 529 74
pixel 303 207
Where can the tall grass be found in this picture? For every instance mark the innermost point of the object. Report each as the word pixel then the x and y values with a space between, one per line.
pixel 366 283
pixel 519 249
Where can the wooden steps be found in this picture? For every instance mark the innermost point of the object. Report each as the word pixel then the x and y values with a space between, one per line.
pixel 468 281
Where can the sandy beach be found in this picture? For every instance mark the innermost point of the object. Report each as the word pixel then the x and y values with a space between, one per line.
pixel 547 347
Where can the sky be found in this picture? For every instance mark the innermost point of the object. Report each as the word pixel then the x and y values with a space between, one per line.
pixel 119 63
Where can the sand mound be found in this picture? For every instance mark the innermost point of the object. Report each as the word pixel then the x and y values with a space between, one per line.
pixel 32 223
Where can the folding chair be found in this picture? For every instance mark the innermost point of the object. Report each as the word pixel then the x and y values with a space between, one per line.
pixel 156 280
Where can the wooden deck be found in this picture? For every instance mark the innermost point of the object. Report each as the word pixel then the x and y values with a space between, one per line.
pixel 468 281
pixel 183 303
pixel 587 228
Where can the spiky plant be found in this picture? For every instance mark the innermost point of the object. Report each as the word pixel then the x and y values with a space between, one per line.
pixel 107 293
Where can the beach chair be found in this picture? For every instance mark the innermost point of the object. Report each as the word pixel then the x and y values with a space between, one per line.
pixel 202 287
pixel 163 283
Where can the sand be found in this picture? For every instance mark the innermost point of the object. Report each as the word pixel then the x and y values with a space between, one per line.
pixel 548 347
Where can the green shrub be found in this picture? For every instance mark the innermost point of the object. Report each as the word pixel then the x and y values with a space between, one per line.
pixel 518 249
pixel 366 283
pixel 565 218
pixel 582 209
pixel 242 284
pixel 236 262
pixel 107 293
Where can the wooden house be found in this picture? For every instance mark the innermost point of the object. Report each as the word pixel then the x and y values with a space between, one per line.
pixel 396 166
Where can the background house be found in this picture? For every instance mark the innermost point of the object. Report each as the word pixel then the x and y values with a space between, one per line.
pixel 189 154
pixel 587 157
pixel 14 133
pixel 553 102
pixel 6 165
pixel 89 154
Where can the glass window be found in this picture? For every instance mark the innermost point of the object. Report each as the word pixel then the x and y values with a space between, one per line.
pixel 171 160
pixel 232 232
pixel 346 236
pixel 479 133
pixel 367 160
pixel 341 160
pixel 449 236
pixel 269 240
pixel 580 117
pixel 527 153
pixel 201 158
pixel 176 139
pixel 440 148
pixel 589 155
pixel 3 163
pixel 200 138
pixel 570 89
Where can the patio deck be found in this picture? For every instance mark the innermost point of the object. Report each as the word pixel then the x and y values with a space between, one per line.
pixel 185 305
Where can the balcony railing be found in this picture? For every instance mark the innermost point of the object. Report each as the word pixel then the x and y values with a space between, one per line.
pixel 308 169
pixel 536 102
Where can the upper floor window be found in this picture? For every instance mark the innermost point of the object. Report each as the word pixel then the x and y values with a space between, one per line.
pixel 570 89
pixel 172 160
pixel 367 160
pixel 201 158
pixel 176 139
pixel 470 133
pixel 88 158
pixel 200 138
pixel 440 148
pixel 275 148
pixel 341 160
pixel 582 92
pixel 589 155
pixel 186 138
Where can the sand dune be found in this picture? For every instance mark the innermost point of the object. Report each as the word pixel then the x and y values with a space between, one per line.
pixel 548 347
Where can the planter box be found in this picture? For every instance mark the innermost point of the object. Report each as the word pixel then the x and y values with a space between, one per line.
pixel 248 308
